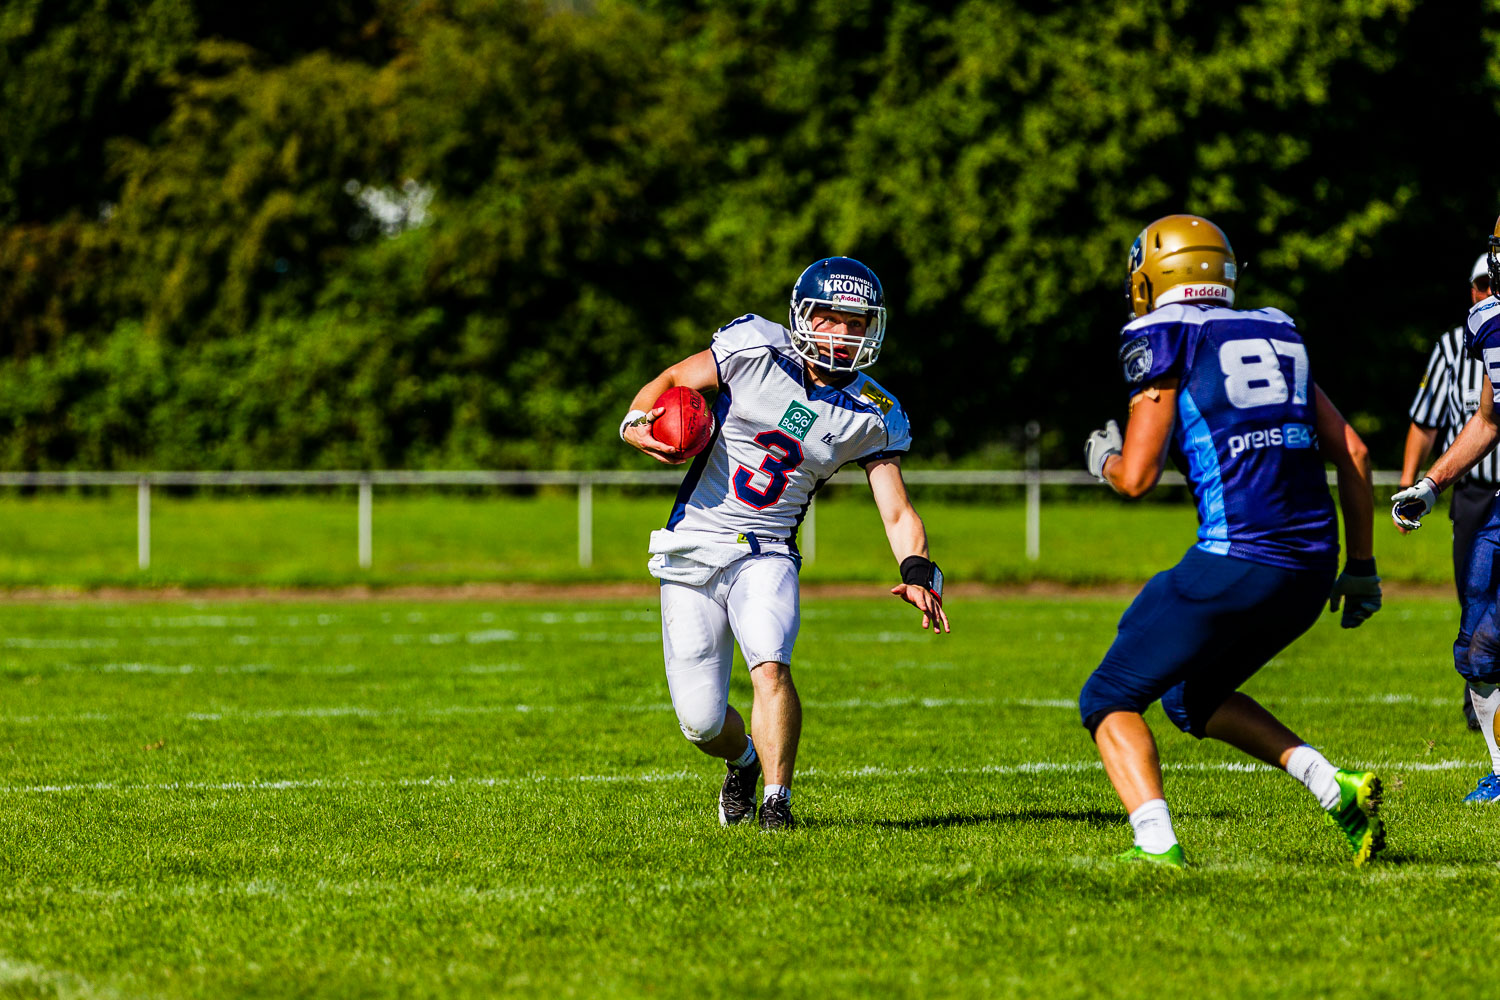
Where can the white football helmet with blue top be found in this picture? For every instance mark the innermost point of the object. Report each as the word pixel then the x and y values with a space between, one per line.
pixel 845 285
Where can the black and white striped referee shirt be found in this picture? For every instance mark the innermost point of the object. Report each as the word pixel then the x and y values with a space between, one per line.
pixel 1449 396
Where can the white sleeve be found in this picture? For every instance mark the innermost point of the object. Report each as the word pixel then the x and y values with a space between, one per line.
pixel 895 441
pixel 743 338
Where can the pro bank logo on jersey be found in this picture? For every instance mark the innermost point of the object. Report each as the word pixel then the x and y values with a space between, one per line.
pixel 798 420
pixel 1285 436
pixel 1136 359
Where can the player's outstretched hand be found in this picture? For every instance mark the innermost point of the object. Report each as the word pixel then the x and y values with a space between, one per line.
pixel 638 435
pixel 1410 505
pixel 925 601
pixel 1358 586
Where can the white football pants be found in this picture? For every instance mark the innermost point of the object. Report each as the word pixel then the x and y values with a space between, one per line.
pixel 755 599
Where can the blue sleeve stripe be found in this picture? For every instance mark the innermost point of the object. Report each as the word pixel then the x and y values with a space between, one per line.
pixel 1203 470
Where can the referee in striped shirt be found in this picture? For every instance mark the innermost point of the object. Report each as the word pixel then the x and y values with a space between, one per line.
pixel 1446 399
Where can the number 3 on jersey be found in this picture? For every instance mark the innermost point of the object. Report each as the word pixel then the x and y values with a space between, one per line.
pixel 1253 376
pixel 777 467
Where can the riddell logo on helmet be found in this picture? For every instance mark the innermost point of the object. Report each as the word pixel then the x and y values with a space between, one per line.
pixel 1205 292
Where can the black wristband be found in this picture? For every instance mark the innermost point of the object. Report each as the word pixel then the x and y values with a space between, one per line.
pixel 1360 567
pixel 919 571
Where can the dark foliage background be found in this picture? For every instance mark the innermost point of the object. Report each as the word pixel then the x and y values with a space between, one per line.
pixel 386 233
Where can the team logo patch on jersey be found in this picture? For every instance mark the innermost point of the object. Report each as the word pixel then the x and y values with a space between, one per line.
pixel 1136 359
pixel 877 397
pixel 798 420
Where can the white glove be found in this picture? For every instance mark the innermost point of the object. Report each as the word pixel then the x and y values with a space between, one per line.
pixel 1098 448
pixel 1411 504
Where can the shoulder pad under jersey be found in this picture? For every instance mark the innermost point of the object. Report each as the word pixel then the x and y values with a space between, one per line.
pixel 897 426
pixel 1483 328
pixel 749 332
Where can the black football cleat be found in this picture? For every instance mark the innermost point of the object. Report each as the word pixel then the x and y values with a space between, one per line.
pixel 776 813
pixel 737 796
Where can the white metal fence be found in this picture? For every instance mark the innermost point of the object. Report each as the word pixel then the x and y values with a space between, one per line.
pixel 1033 479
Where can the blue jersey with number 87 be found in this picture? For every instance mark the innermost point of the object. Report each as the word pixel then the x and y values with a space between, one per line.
pixel 1246 430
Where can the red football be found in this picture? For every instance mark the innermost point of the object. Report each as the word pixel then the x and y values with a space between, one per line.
pixel 687 424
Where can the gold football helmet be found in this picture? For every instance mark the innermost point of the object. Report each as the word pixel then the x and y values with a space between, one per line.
pixel 1184 258
pixel 1495 259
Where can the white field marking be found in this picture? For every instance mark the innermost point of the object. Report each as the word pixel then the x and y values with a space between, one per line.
pixel 328 712
pixel 655 777
pixel 164 668
pixel 1371 699
pixel 592 617
pixel 220 669
pixel 320 888
pixel 846 704
pixel 475 637
pixel 493 635
pixel 901 702
pixel 344 784
pixel 1376 872
pixel 30 642
pixel 55 982
pixel 182 621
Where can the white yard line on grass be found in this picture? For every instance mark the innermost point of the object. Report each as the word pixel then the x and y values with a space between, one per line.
pixel 51 982
pixel 439 711
pixel 653 777
pixel 473 638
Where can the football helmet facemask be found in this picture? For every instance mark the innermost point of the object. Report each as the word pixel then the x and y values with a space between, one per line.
pixel 845 285
pixel 1182 258
pixel 1495 259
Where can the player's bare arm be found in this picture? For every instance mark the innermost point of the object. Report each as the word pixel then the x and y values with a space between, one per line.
pixel 1340 444
pixel 908 537
pixel 1135 469
pixel 1419 444
pixel 698 372
pixel 1357 588
pixel 1473 443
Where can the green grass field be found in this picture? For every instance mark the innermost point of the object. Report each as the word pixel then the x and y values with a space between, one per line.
pixel 434 538
pixel 471 799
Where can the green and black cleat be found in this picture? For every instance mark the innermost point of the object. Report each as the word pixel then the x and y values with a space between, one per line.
pixel 1172 857
pixel 1357 815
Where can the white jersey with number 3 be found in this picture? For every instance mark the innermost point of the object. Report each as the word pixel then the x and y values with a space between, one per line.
pixel 779 437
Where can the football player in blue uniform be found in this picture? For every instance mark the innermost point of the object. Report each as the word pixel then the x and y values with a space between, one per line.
pixel 1231 392
pixel 1476 651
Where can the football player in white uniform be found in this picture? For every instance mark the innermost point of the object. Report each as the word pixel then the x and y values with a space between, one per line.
pixel 793 406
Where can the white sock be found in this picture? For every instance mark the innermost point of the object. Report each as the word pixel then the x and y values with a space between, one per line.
pixel 1313 770
pixel 1486 698
pixel 1152 823
pixel 774 790
pixel 748 757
